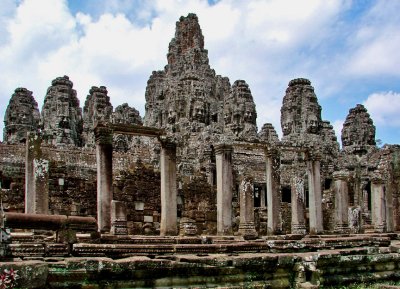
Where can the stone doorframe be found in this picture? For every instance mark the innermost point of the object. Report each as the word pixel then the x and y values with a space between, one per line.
pixel 104 149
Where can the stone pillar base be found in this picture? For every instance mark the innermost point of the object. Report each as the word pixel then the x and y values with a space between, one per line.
pixel 187 227
pixel 248 230
pixel 119 228
pixel 380 228
pixel 299 229
pixel 342 229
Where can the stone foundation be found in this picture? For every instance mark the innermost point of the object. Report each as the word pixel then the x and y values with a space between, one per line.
pixel 317 261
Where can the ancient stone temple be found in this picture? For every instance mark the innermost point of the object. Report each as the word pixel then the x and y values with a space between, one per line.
pixel 97 108
pixel 194 188
pixel 61 114
pixel 22 116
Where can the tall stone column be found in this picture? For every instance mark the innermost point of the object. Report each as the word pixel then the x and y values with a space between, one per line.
pixel 298 206
pixel 246 226
pixel 314 191
pixel 378 203
pixel 390 220
pixel 168 226
pixel 341 192
pixel 104 151
pixel 273 201
pixel 223 158
pixel 36 177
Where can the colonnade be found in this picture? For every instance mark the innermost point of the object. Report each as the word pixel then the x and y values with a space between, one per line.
pixel 36 199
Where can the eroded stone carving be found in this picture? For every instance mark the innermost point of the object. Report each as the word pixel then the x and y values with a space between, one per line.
pixel 61 114
pixel 240 112
pixel 126 115
pixel 97 108
pixel 268 134
pixel 188 97
pixel 22 116
pixel 300 112
pixel 358 133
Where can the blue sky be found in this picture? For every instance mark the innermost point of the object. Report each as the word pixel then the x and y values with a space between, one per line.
pixel 348 49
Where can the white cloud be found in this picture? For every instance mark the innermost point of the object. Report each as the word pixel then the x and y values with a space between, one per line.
pixel 337 127
pixel 286 23
pixel 376 42
pixel 267 43
pixel 384 108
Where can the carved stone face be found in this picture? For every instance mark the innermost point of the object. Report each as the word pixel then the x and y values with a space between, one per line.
pixel 61 93
pixel 346 138
pixel 249 115
pixel 198 113
pixel 287 127
pixel 171 116
pixel 312 125
pixel 25 115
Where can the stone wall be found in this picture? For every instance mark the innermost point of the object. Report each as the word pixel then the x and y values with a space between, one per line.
pixel 139 188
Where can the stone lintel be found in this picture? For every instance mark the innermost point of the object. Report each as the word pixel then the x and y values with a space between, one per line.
pixel 129 129
pixel 341 175
pixel 104 131
pixel 223 148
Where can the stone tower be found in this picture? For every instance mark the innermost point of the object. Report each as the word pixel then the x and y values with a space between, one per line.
pixel 187 96
pixel 97 108
pixel 358 133
pixel 240 114
pixel 61 114
pixel 22 116
pixel 300 113
pixel 124 114
pixel 268 134
pixel 303 127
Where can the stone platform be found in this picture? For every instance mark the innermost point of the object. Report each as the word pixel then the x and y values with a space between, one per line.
pixel 204 262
